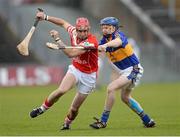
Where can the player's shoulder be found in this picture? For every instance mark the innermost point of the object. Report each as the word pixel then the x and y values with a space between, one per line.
pixel 71 28
pixel 92 37
pixel 119 34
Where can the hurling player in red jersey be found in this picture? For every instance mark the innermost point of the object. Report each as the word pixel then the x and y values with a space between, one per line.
pixel 82 71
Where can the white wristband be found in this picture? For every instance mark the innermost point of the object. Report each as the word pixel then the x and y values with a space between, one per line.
pixel 46 17
pixel 57 39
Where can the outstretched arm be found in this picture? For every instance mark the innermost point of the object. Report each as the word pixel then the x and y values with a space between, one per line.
pixel 114 43
pixel 58 21
pixel 69 52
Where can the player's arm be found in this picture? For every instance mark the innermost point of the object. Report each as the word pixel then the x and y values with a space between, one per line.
pixel 73 52
pixel 69 52
pixel 59 22
pixel 114 43
pixel 55 20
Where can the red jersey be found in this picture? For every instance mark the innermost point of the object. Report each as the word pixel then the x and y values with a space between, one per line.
pixel 88 61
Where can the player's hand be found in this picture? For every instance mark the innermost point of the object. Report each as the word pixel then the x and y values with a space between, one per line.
pixel 90 48
pixel 102 48
pixel 40 15
pixel 55 35
pixel 52 45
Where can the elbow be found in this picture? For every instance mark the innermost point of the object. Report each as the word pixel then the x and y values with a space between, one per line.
pixel 119 42
pixel 116 43
pixel 70 55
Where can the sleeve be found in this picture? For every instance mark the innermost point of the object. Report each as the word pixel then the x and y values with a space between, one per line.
pixel 71 29
pixel 122 37
pixel 102 41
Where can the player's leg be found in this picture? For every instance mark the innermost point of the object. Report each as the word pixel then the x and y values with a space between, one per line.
pixel 56 94
pixel 86 84
pixel 135 75
pixel 110 99
pixel 136 107
pixel 73 111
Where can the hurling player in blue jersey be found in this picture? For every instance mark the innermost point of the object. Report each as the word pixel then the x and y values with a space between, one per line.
pixel 122 58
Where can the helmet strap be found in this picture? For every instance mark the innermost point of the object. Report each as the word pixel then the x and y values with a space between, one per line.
pixel 107 36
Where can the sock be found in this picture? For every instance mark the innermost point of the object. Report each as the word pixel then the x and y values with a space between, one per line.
pixel 146 119
pixel 67 121
pixel 142 114
pixel 46 105
pixel 105 116
pixel 43 108
pixel 135 106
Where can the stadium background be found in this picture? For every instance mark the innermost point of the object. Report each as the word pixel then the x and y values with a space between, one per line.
pixel 154 24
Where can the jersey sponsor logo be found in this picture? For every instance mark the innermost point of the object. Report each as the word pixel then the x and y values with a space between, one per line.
pixel 86 44
pixel 80 61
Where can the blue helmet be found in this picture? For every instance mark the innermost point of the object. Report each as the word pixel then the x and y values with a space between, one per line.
pixel 110 21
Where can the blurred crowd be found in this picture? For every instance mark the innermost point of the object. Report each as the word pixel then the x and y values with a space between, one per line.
pixel 19 2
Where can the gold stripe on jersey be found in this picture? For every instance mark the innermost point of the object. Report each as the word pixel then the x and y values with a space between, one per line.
pixel 120 54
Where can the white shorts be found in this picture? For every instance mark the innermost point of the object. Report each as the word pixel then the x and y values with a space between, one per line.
pixel 131 74
pixel 85 82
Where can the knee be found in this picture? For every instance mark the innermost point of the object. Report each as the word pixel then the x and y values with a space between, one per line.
pixel 110 90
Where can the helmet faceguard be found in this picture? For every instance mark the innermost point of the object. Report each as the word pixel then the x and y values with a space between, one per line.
pixel 82 28
pixel 109 21
pixel 82 23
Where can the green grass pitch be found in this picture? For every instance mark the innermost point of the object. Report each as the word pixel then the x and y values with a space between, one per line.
pixel 161 101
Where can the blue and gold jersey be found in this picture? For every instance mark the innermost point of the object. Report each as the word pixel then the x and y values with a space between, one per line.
pixel 122 56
